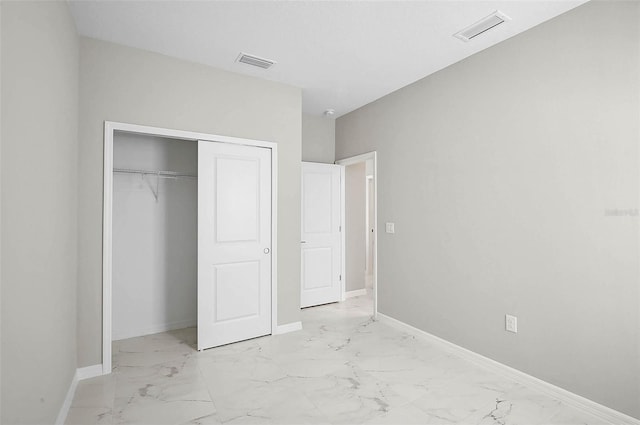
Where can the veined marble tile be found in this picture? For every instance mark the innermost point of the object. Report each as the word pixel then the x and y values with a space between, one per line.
pixel 455 400
pixel 89 416
pixel 235 377
pixel 342 368
pixel 523 405
pixel 210 419
pixel 168 382
pixel 276 401
pixel 96 392
pixel 140 411
pixel 350 395
pixel 141 359
pixel 407 415
pixel 181 340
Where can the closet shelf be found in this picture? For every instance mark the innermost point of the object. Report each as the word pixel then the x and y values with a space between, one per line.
pixel 166 174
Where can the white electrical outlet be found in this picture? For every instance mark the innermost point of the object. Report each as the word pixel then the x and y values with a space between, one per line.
pixel 390 227
pixel 511 323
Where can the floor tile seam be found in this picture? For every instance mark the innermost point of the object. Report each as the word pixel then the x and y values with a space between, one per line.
pixel 317 407
pixel 204 381
pixel 324 415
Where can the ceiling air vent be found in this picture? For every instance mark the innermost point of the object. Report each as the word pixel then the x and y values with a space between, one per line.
pixel 255 61
pixel 483 25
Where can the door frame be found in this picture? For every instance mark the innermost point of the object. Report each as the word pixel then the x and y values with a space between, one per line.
pixel 368 240
pixel 110 127
pixel 373 155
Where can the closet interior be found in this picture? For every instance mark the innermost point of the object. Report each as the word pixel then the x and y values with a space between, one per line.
pixel 155 189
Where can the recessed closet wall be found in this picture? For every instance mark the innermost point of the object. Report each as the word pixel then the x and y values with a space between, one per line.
pixel 154 235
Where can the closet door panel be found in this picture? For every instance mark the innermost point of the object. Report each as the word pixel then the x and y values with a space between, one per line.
pixel 234 243
pixel 238 199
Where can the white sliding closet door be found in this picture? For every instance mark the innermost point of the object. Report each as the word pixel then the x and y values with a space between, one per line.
pixel 234 243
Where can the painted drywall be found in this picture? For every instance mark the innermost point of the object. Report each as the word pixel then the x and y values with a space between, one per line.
pixel 129 85
pixel 39 200
pixel 154 285
pixel 318 139
pixel 0 212
pixel 355 226
pixel 512 177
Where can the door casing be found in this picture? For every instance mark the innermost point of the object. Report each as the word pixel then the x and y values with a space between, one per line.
pixel 110 128
pixel 350 161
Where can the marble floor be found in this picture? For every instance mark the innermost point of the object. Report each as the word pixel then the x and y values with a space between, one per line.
pixel 342 368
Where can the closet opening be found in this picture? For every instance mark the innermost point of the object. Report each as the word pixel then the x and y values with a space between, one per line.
pixel 189 237
pixel 154 239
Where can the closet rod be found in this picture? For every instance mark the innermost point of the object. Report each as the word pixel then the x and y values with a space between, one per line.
pixel 169 174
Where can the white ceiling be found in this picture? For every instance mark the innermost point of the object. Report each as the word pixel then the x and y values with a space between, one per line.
pixel 343 54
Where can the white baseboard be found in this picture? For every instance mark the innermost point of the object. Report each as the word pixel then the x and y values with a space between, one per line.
pixel 585 405
pixel 81 373
pixel 289 327
pixel 355 293
pixel 66 404
pixel 89 372
pixel 119 334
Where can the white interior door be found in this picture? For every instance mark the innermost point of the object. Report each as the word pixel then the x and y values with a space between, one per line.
pixel 321 241
pixel 234 243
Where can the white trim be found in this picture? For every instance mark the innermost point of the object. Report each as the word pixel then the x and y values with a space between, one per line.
pixel 107 235
pixel 350 161
pixel 107 220
pixel 80 374
pixel 289 327
pixel 163 327
pixel 367 202
pixel 583 404
pixel 274 237
pixel 185 135
pixel 343 240
pixel 66 404
pixel 356 293
pixel 89 372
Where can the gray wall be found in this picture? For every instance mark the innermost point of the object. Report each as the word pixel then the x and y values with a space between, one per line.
pixel 355 225
pixel 39 200
pixel 123 84
pixel 500 173
pixel 155 240
pixel 1 133
pixel 318 139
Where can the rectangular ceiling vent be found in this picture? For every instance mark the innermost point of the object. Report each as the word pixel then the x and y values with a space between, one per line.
pixel 255 61
pixel 482 26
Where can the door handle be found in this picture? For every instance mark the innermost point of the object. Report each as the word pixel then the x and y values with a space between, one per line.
pixel 303 241
pixel 266 250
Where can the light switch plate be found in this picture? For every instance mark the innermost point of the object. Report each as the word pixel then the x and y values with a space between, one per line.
pixel 511 323
pixel 390 227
